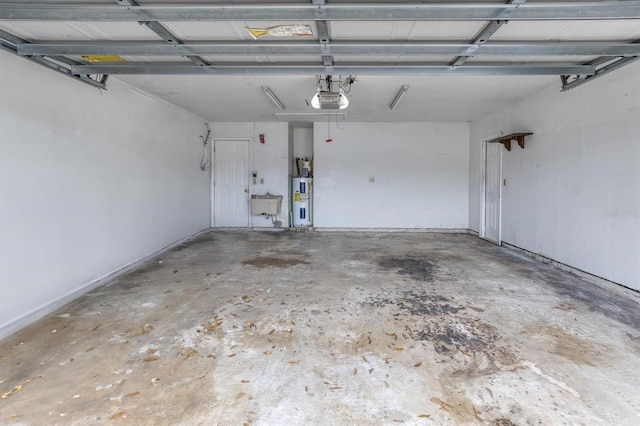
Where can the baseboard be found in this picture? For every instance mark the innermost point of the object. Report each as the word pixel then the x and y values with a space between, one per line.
pixel 611 286
pixel 15 325
pixel 399 230
pixel 367 230
pixel 268 229
pixel 249 229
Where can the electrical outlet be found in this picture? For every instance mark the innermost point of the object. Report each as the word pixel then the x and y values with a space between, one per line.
pixel 372 179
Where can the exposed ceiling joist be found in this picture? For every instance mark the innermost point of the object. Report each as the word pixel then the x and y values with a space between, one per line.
pixel 568 85
pixel 59 64
pixel 284 48
pixel 322 28
pixel 163 32
pixel 63 55
pixel 608 65
pixel 344 69
pixel 485 34
pixel 325 12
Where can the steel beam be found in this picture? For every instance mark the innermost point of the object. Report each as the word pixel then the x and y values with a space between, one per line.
pixel 605 59
pixel 600 61
pixel 478 41
pixel 344 69
pixel 323 38
pixel 373 48
pixel 322 28
pixel 608 66
pixel 604 70
pixel 8 43
pixel 327 12
pixel 568 85
pixel 485 34
pixel 163 32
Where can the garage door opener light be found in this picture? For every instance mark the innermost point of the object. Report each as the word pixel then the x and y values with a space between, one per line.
pixel 326 98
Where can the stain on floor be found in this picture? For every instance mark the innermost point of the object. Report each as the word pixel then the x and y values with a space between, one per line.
pixel 274 262
pixel 560 341
pixel 330 328
pixel 415 267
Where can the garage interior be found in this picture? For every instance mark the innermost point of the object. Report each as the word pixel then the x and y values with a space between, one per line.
pixel 319 212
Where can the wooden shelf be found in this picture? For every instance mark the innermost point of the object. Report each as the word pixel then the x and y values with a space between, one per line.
pixel 506 139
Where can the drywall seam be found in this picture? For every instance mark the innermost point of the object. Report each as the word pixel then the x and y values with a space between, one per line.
pixel 42 311
pixel 611 286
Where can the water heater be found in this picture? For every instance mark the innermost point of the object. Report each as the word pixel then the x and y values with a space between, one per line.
pixel 302 197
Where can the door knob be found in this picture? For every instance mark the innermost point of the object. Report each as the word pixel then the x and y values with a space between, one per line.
pixel 246 190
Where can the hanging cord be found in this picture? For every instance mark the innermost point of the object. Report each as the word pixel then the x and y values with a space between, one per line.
pixel 345 85
pixel 206 161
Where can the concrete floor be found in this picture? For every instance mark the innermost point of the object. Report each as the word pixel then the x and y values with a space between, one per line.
pixel 293 328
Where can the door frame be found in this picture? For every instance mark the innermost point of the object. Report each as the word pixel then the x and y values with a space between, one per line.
pixel 483 188
pixel 212 192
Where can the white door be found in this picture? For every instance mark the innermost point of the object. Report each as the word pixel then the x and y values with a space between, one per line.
pixel 492 192
pixel 231 183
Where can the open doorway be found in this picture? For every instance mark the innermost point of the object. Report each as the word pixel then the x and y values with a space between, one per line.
pixel 491 220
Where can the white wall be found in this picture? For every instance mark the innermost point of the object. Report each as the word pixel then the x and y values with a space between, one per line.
pixel 89 182
pixel 573 194
pixel 420 173
pixel 270 160
pixel 290 151
pixel 303 142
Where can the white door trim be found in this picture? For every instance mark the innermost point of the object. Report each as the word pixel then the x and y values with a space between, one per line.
pixel 213 174
pixel 483 188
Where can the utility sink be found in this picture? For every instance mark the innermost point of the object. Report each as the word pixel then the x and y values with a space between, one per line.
pixel 266 204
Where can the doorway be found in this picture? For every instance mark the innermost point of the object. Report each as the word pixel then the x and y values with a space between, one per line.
pixel 231 183
pixel 492 197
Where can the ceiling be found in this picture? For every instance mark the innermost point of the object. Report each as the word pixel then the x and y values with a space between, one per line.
pixel 460 60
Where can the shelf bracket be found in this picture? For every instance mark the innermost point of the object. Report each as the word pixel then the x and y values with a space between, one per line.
pixel 506 140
